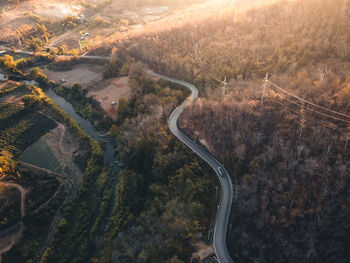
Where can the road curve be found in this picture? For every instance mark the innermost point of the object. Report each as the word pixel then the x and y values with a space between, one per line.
pixel 222 216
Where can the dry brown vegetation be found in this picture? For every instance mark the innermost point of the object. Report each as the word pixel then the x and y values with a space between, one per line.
pixel 111 90
pixel 289 170
pixel 288 163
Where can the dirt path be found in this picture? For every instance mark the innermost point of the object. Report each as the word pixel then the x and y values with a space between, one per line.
pixel 11 235
pixel 28 165
pixel 63 131
pixel 23 194
pixel 63 145
pixel 53 226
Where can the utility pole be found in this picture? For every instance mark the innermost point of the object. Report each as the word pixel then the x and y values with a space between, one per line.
pixel 346 143
pixel 302 121
pixel 264 89
pixel 224 83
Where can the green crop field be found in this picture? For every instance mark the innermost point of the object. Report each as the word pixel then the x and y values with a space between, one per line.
pixel 20 128
pixel 40 154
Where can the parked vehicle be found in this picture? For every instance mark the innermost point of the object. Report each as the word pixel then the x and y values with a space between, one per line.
pixel 221 171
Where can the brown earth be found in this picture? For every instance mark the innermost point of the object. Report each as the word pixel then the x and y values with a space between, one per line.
pixel 85 75
pixel 14 17
pixel 202 250
pixel 111 90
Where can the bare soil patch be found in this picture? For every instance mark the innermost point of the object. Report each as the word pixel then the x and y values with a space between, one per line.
pixel 202 250
pixel 70 39
pixel 111 90
pixel 14 15
pixel 85 75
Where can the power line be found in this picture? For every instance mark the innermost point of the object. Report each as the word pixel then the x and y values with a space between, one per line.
pixel 308 118
pixel 308 102
pixel 205 69
pixel 321 113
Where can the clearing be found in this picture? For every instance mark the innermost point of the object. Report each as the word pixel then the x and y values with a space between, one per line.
pixel 55 152
pixel 111 90
pixel 84 74
pixel 41 155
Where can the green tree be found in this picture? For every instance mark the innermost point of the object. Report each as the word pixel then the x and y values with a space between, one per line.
pixel 7 164
pixel 124 109
pixel 31 101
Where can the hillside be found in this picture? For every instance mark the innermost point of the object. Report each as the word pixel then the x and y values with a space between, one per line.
pixel 289 159
pixel 284 140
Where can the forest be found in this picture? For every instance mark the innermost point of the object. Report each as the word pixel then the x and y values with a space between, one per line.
pixel 284 140
pixel 163 192
pixel 163 199
pixel 288 158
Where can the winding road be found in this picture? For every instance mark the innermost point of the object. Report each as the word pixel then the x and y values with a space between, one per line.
pixel 223 214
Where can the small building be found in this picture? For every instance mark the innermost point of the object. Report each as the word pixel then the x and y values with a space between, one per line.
pixel 113 103
pixel 148 11
pixel 2 77
pixel 32 82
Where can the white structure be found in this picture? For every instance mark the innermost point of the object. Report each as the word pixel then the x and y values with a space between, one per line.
pixel 224 83
pixel 148 11
pixel 32 82
pixel 2 77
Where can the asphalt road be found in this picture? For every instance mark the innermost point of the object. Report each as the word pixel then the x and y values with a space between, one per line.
pixel 222 216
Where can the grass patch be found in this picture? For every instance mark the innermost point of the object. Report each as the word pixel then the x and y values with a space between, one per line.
pixel 40 154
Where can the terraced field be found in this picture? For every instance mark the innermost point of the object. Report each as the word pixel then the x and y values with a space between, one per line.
pixel 20 128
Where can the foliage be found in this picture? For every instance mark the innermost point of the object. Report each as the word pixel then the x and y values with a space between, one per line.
pixel 289 174
pixel 37 74
pixel 38 216
pixel 72 242
pixel 20 128
pixel 8 64
pixel 31 101
pixel 162 198
pixel 7 164
pixel 85 106
pixel 115 65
